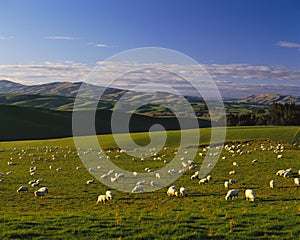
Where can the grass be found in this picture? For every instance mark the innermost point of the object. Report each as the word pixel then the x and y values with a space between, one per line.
pixel 69 210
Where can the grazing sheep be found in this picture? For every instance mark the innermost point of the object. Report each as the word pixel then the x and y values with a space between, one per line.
pixel 39 194
pixel 104 176
pixel 90 181
pixel 35 184
pixel 155 184
pixel 272 184
pixel 172 171
pixel 183 192
pixel 203 181
pixel 280 172
pixel 138 188
pixel 235 164
pixel 232 181
pixel 250 195
pixel 226 184
pixel 296 181
pixel 22 189
pixel 157 175
pixel 109 195
pixel 114 179
pixel 140 183
pixel 134 174
pixel 279 156
pixel 102 199
pixel 31 182
pixel 208 177
pixel 210 165
pixel 231 172
pixel 195 175
pixel 255 160
pixel 43 189
pixel 286 174
pixel 172 191
pixel 231 194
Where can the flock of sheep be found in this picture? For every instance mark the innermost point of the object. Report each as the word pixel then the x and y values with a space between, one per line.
pixel 172 191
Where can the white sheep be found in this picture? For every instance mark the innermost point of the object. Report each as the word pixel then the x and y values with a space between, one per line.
pixel 140 183
pixel 272 184
pixel 299 172
pixel 226 184
pixel 233 181
pixel 35 184
pixel 157 175
pixel 90 181
pixel 195 175
pixel 208 177
pixel 231 172
pixel 231 194
pixel 102 199
pixel 235 164
pixel 279 156
pixel 286 174
pixel 155 184
pixel 172 191
pixel 109 195
pixel 255 160
pixel 183 192
pixel 203 181
pixel 280 172
pixel 296 181
pixel 138 188
pixel 22 189
pixel 43 189
pixel 39 194
pixel 250 195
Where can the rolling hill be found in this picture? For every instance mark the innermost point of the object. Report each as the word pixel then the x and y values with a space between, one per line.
pixel 267 99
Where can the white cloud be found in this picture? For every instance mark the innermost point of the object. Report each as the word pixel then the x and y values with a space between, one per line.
pixel 61 38
pixel 247 71
pixel 230 78
pixel 288 44
pixel 6 37
pixel 103 45
pixel 45 72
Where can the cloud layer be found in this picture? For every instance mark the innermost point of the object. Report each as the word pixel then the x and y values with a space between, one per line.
pixel 233 80
pixel 61 38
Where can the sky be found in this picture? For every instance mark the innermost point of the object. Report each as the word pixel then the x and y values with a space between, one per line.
pixel 248 46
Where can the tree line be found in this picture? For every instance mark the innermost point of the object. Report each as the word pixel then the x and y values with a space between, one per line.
pixel 281 114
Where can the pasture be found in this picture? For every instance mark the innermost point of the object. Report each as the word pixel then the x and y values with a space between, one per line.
pixel 68 211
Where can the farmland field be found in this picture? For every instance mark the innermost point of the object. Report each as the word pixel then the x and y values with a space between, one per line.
pixel 68 211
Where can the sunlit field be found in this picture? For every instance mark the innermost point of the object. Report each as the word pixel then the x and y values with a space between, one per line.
pixel 69 210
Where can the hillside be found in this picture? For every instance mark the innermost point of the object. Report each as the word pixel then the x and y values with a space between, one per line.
pixel 18 122
pixel 267 99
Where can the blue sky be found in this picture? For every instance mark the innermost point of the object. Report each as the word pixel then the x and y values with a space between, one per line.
pixel 260 38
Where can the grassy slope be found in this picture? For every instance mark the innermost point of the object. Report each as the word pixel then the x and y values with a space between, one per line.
pixel 18 122
pixel 69 210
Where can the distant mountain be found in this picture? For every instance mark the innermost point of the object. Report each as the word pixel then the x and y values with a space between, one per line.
pixel 267 99
pixel 8 86
pixel 61 96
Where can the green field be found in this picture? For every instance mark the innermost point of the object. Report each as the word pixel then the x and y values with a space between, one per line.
pixel 68 211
